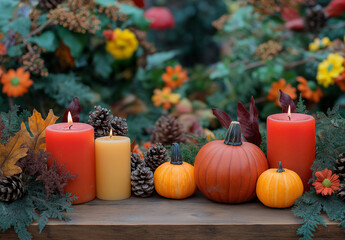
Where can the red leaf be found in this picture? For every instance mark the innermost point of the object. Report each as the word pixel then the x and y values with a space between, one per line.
pixel 285 101
pixel 289 14
pixel 249 123
pixel 139 3
pixel 223 118
pixel 335 8
pixel 133 144
pixel 75 108
pixel 296 24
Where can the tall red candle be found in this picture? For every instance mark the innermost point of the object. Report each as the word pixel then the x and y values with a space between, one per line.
pixel 72 144
pixel 292 141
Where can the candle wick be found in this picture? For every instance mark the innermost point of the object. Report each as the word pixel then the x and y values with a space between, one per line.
pixel 70 127
pixel 289 118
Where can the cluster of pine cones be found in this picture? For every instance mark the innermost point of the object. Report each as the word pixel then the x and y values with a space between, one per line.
pixel 102 122
pixel 143 169
pixel 339 169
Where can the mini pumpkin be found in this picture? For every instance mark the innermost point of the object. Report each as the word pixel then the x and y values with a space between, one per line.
pixel 175 179
pixel 227 171
pixel 279 188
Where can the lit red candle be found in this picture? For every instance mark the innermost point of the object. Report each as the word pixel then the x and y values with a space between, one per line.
pixel 291 140
pixel 72 144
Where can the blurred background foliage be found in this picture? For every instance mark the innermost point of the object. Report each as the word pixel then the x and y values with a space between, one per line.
pixel 230 50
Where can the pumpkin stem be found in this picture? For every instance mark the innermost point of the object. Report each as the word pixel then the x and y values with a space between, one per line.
pixel 280 168
pixel 233 135
pixel 176 157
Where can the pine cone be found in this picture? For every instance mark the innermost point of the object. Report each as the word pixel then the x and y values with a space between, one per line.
pixel 167 130
pixel 341 192
pixel 99 119
pixel 155 156
pixel 11 188
pixel 315 18
pixel 119 126
pixel 136 160
pixel 49 4
pixel 339 168
pixel 142 181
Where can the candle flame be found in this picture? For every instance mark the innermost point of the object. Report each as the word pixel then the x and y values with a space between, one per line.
pixel 70 120
pixel 289 112
pixel 111 132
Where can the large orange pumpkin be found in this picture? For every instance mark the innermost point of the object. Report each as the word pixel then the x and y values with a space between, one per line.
pixel 175 179
pixel 227 171
pixel 279 188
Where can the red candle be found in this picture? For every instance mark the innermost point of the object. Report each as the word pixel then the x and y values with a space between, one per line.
pixel 72 144
pixel 292 141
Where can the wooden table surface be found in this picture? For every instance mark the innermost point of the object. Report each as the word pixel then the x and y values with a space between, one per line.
pixel 159 218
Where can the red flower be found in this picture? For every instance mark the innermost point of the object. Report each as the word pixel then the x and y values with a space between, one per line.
pixel 161 18
pixel 326 183
pixel 335 8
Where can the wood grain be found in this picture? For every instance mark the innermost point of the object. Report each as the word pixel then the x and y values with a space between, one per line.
pixel 159 218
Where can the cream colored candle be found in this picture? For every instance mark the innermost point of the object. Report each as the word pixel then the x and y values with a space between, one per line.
pixel 113 167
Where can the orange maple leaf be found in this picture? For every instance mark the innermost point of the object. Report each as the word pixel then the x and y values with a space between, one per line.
pixel 37 127
pixel 10 154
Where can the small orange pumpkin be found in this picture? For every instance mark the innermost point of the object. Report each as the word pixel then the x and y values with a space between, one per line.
pixel 279 188
pixel 175 179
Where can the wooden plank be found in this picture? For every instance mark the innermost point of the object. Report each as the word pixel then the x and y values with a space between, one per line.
pixel 159 218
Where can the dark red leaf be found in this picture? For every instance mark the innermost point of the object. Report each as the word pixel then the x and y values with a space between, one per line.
pixel 223 118
pixel 335 8
pixel 196 129
pixel 133 144
pixel 249 123
pixel 295 25
pixel 289 14
pixel 139 3
pixel 285 101
pixel 75 108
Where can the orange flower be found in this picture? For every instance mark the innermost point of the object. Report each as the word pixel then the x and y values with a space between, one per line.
pixel 340 81
pixel 306 91
pixel 147 145
pixel 326 183
pixel 274 95
pixel 3 50
pixel 165 98
pixel 137 150
pixel 174 77
pixel 16 83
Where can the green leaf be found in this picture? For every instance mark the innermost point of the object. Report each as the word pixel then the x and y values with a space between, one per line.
pixel 6 11
pixel 102 63
pixel 47 40
pixel 75 41
pixel 136 15
pixel 157 60
pixel 15 50
pixel 106 3
pixel 20 25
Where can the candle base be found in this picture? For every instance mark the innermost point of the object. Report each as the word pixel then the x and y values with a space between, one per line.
pixel 113 198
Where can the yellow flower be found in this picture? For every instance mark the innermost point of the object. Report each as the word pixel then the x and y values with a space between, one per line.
pixel 165 98
pixel 319 44
pixel 329 69
pixel 123 45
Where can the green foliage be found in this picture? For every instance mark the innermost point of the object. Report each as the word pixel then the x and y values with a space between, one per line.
pixel 75 41
pixel 136 15
pixel 21 25
pixel 47 40
pixel 34 207
pixel 12 121
pixel 6 10
pixel 330 130
pixel 301 108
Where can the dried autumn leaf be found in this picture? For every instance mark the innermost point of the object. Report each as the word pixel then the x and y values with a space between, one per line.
pixel 133 144
pixel 249 123
pixel 222 117
pixel 10 154
pixel 285 101
pixel 75 108
pixel 37 127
